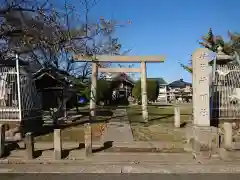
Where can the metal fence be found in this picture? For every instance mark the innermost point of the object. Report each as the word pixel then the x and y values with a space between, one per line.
pixel 18 96
pixel 225 95
pixel 9 107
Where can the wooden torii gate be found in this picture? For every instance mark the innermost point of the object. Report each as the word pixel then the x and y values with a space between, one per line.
pixel 116 59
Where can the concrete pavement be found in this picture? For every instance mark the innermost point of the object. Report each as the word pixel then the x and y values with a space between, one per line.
pixel 118 128
pixel 106 158
pixel 118 176
pixel 123 168
pixel 120 158
pixel 119 163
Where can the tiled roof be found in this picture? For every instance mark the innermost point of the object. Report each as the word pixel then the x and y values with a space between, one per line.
pixel 160 81
pixel 179 84
pixel 57 74
pixel 120 75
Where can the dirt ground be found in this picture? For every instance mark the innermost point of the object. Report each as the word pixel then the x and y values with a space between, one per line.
pixel 76 133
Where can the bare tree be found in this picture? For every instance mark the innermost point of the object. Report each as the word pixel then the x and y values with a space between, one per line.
pixel 49 35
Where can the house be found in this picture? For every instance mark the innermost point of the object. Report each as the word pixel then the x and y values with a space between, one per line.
pixel 179 90
pixel 121 86
pixel 162 95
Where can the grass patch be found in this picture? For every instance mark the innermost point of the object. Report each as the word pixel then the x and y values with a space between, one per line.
pixel 162 132
pixel 76 133
pixel 160 126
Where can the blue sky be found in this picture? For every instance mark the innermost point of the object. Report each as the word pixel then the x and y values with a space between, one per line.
pixel 170 28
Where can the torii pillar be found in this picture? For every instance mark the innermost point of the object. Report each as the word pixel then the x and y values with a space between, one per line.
pixel 93 96
pixel 144 91
pixel 88 127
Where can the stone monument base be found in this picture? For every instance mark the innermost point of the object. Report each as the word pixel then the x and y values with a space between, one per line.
pixel 202 141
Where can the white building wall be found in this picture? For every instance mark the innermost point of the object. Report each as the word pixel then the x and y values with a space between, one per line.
pixel 162 96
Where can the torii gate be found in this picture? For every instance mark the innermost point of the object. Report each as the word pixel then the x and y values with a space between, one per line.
pixel 120 59
pixel 116 59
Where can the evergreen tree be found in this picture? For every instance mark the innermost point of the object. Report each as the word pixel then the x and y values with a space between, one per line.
pixel 212 42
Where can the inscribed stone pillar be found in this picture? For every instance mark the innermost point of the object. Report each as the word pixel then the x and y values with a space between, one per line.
pixel 93 90
pixel 204 137
pixel 2 139
pixel 144 91
pixel 177 117
pixel 57 144
pixel 201 98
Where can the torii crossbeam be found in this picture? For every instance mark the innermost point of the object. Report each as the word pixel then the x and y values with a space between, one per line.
pixel 122 59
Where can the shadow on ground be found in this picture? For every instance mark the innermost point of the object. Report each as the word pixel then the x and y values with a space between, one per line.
pixel 106 145
pixel 65 152
pixel 41 130
pixel 10 146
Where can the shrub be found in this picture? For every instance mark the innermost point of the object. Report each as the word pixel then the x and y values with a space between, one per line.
pixel 152 90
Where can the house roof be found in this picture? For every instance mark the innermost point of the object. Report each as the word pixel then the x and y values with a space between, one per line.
pixel 50 72
pixel 160 81
pixel 118 76
pixel 179 84
pixel 57 74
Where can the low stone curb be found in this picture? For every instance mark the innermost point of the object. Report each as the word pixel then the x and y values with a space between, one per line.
pixel 117 163
pixel 89 161
pixel 35 161
pixel 7 161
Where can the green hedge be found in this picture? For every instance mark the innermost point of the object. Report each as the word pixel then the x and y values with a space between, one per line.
pixel 152 90
pixel 103 91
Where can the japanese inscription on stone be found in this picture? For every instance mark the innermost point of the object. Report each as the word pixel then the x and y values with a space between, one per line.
pixel 201 100
pixel 202 79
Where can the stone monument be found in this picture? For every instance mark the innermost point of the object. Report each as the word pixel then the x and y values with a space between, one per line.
pixel 203 137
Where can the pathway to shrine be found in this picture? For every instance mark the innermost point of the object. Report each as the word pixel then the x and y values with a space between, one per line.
pixel 118 129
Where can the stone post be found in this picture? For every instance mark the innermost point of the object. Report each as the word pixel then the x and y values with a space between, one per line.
pixel 177 117
pixel 93 90
pixel 88 139
pixel 29 143
pixel 227 135
pixel 57 144
pixel 2 140
pixel 144 91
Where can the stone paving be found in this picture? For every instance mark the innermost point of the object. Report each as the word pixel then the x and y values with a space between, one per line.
pixel 118 129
